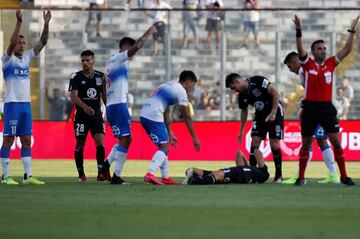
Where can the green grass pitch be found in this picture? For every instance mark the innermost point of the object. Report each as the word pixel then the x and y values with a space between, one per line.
pixel 65 208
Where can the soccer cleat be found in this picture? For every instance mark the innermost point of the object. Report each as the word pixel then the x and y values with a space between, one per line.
pixel 300 182
pixel 33 181
pixel 189 174
pixel 107 175
pixel 169 181
pixel 347 181
pixel 118 180
pixel 151 179
pixel 277 180
pixel 330 178
pixel 100 177
pixel 9 181
pixel 291 180
pixel 83 179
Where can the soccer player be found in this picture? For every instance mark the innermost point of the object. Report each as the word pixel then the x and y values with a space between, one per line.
pixel 116 106
pixel 317 105
pixel 87 87
pixel 242 173
pixel 269 117
pixel 17 110
pixel 156 120
pixel 293 63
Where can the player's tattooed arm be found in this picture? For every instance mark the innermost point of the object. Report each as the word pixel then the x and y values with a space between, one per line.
pixel 190 126
pixel 348 45
pixel 299 43
pixel 276 98
pixel 15 34
pixel 141 41
pixel 243 119
pixel 77 101
pixel 45 33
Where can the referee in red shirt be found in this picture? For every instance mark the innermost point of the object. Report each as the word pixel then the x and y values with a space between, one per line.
pixel 317 105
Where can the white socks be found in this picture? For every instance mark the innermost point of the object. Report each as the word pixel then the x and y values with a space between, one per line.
pixel 328 157
pixel 27 165
pixel 120 158
pixel 157 160
pixel 164 168
pixel 111 156
pixel 5 163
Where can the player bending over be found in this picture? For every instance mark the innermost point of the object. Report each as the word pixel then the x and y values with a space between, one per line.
pixel 242 173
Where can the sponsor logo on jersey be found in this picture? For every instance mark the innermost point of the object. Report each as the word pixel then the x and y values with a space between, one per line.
pixel 259 105
pixel 265 83
pixel 83 82
pixel 21 72
pixel 313 72
pixel 91 93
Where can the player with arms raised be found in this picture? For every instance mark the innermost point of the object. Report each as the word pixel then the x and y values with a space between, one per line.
pixel 317 105
pixel 116 106
pixel 17 109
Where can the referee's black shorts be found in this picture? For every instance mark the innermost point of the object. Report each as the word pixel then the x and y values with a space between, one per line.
pixel 315 113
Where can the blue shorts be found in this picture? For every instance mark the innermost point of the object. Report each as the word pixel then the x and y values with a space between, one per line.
pixel 320 133
pixel 156 130
pixel 119 119
pixel 250 26
pixel 17 119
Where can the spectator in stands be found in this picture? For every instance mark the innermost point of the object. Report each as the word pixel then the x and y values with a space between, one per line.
pixel 95 6
pixel 160 21
pixel 348 89
pixel 342 104
pixel 190 19
pixel 57 104
pixel 213 21
pixel 251 21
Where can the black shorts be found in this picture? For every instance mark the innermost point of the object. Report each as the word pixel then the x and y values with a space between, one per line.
pixel 315 113
pixel 83 123
pixel 160 27
pixel 94 9
pixel 260 128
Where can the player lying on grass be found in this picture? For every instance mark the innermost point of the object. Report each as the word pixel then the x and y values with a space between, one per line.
pixel 242 173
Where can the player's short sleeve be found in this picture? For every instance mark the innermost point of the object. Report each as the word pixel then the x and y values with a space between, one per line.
pixel 331 62
pixel 305 62
pixel 121 57
pixel 261 83
pixel 74 82
pixel 242 102
pixel 182 97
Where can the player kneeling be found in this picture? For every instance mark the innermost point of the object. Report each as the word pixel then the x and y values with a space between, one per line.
pixel 242 173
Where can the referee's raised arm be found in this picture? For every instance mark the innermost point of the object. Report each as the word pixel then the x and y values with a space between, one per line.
pixel 348 45
pixel 299 44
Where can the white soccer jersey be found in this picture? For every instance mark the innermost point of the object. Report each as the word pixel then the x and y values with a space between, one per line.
pixel 16 73
pixel 169 93
pixel 117 84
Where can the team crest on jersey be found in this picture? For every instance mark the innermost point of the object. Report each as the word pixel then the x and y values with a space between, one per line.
pixel 98 81
pixel 328 77
pixel 256 92
pixel 259 105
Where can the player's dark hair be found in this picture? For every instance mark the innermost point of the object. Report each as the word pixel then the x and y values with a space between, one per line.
pixel 290 56
pixel 230 78
pixel 87 53
pixel 187 75
pixel 21 36
pixel 316 42
pixel 125 41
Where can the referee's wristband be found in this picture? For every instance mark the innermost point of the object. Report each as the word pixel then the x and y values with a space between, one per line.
pixel 351 31
pixel 298 32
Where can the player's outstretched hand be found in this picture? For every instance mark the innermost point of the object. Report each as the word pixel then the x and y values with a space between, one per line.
pixel 196 143
pixel 173 140
pixel 88 110
pixel 18 15
pixel 297 22
pixel 47 16
pixel 270 118
pixel 354 23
